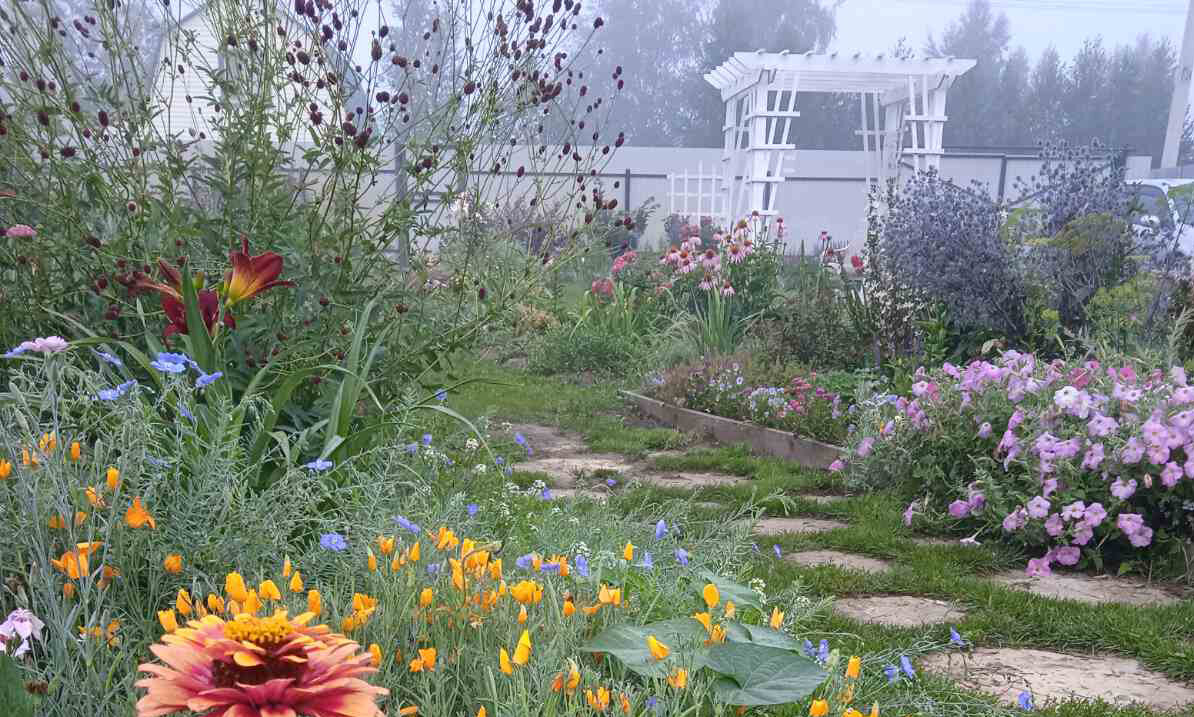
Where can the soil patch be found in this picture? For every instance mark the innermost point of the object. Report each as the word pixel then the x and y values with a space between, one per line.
pixel 845 561
pixel 898 610
pixel 1053 676
pixel 1085 588
pixel 779 526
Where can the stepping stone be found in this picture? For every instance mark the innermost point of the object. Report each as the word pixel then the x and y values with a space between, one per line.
pixel 845 561
pixel 779 526
pixel 1085 588
pixel 1053 676
pixel 674 479
pixel 565 470
pixel 822 499
pixel 548 440
pixel 898 610
pixel 578 493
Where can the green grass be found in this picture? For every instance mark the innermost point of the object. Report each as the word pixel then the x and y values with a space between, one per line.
pixel 1162 638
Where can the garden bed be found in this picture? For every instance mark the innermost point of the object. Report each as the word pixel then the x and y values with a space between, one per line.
pixel 807 452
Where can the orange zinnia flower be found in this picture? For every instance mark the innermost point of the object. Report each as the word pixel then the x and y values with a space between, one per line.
pixel 251 275
pixel 253 667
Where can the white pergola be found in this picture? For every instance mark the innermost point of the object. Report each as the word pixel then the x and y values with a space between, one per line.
pixel 902 115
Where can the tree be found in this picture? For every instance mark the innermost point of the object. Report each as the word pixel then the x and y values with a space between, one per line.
pixel 652 48
pixel 747 25
pixel 1044 115
pixel 974 98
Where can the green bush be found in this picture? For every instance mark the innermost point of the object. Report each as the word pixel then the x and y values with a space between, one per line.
pixel 586 348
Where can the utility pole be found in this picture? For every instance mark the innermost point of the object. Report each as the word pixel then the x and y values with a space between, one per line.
pixel 1181 95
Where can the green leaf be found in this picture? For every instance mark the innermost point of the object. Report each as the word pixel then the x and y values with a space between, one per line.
pixel 757 675
pixel 202 349
pixel 13 695
pixel 741 595
pixel 684 636
pixel 761 635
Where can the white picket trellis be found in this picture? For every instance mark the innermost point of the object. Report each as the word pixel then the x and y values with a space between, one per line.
pixel 902 103
pixel 696 196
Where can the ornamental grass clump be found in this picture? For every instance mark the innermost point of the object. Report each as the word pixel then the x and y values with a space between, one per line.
pixel 1087 463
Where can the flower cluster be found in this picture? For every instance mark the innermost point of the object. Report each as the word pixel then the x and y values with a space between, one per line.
pixel 1074 457
pixel 724 389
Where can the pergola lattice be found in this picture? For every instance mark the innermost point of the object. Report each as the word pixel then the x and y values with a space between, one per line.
pixel 902 111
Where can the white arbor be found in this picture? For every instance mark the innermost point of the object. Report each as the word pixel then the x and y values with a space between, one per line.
pixel 902 112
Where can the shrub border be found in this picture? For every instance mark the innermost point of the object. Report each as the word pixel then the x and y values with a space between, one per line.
pixel 768 441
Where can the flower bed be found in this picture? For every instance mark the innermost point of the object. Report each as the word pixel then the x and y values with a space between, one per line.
pixel 724 387
pixel 1091 464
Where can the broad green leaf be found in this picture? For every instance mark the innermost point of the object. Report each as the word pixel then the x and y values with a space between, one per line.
pixel 684 636
pixel 740 594
pixel 757 675
pixel 759 635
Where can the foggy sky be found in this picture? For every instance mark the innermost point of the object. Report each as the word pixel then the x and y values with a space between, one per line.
pixel 876 25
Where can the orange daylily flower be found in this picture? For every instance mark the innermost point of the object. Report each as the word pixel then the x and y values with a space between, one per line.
pixel 425 662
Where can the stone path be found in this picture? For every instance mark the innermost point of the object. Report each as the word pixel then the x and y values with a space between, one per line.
pixel 1052 676
pixel 837 559
pixel 1084 588
pixel 563 458
pixel 779 526
pixel 898 610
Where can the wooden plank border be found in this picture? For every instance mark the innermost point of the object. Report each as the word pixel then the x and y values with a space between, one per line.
pixel 767 441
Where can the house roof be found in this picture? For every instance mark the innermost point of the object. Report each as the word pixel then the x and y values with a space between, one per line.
pixel 831 72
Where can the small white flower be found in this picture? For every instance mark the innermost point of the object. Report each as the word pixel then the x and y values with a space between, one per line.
pixel 471 445
pixel 480 469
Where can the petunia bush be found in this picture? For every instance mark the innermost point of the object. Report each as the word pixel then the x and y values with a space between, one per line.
pixel 1080 462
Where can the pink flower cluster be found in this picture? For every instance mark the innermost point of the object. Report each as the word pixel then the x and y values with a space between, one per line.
pixel 1062 434
pixel 623 261
pixel 726 248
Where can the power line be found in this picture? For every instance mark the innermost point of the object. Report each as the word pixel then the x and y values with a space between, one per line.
pixel 1139 7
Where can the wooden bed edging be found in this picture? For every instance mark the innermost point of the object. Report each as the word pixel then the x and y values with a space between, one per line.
pixel 768 441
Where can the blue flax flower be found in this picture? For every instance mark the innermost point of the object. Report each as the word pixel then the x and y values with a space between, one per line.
pixel 318 465
pixel 823 651
pixel 1025 701
pixel 892 672
pixel 186 413
pixel 427 439
pixel 648 563
pixel 778 552
pixel 168 366
pixel 524 561
pixel 660 529
pixel 809 651
pixel 407 525
pixel 333 541
pixel 441 395
pixel 472 509
pixel 412 448
pixel 111 394
pixel 682 556
pixel 955 638
pixel 520 439
pixel 433 568
pixel 545 494
pixel 208 379
pixel 108 358
pixel 500 461
pixel 611 482
pixel 550 568
pixel 582 566
pixel 906 666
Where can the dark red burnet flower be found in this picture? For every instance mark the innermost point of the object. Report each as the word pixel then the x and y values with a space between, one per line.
pixel 856 262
